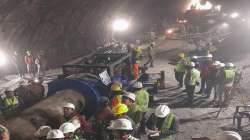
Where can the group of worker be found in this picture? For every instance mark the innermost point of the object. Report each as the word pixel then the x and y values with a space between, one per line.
pixel 211 75
pixel 34 65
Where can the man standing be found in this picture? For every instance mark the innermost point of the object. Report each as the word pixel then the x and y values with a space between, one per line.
pixel 212 78
pixel 191 80
pixel 150 54
pixel 180 69
pixel 29 60
pixel 40 63
pixel 18 62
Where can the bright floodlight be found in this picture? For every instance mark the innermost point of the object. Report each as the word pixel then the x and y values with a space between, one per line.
pixel 169 31
pixel 3 59
pixel 225 25
pixel 197 4
pixel 234 15
pixel 120 25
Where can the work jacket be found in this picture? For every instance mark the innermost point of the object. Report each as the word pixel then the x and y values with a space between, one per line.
pixel 181 65
pixel 229 75
pixel 192 77
pixel 142 100
pixel 8 102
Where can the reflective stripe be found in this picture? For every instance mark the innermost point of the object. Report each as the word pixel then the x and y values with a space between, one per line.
pixel 11 101
pixel 230 74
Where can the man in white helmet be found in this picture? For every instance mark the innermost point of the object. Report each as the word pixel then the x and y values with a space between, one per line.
pixel 42 132
pixel 230 135
pixel 192 79
pixel 68 130
pixel 141 106
pixel 122 129
pixel 55 134
pixel 162 124
pixel 71 115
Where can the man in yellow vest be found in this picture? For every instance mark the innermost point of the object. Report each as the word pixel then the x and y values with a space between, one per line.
pixel 192 79
pixel 228 80
pixel 180 69
pixel 141 106
pixel 11 101
pixel 116 91
pixel 162 124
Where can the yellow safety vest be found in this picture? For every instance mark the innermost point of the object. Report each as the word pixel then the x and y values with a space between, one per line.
pixel 229 74
pixel 195 76
pixel 11 101
pixel 180 66
pixel 167 125
pixel 142 100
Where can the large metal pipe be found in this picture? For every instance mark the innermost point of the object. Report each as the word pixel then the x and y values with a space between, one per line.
pixel 84 93
pixel 47 112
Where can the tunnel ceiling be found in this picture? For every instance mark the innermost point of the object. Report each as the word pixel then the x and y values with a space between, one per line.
pixel 70 26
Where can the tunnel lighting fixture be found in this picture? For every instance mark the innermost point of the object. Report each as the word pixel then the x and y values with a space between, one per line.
pixel 225 25
pixel 120 25
pixel 3 59
pixel 234 15
pixel 169 31
pixel 198 5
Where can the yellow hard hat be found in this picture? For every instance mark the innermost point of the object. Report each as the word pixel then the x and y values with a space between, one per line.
pixel 181 55
pixel 116 87
pixel 138 49
pixel 120 109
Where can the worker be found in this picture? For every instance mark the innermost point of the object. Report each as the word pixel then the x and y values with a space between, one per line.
pixel 180 69
pixel 192 79
pixel 19 64
pixel 40 65
pixel 42 132
pixel 4 133
pixel 128 98
pixel 150 54
pixel 29 60
pixel 205 68
pixel 68 130
pixel 228 80
pixel 55 134
pixel 116 91
pixel 219 84
pixel 11 101
pixel 141 106
pixel 71 115
pixel 230 135
pixel 121 111
pixel 102 119
pixel 122 129
pixel 136 56
pixel 162 124
pixel 212 78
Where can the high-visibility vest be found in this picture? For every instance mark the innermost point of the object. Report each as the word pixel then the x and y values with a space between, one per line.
pixel 11 101
pixel 180 66
pixel 116 101
pixel 142 100
pixel 229 74
pixel 167 125
pixel 195 77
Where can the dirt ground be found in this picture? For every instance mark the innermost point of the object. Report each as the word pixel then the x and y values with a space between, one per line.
pixel 204 119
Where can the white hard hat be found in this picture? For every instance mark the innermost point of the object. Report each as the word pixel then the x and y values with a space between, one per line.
pixel 195 57
pixel 230 65
pixel 129 95
pixel 121 124
pixel 209 55
pixel 67 127
pixel 69 105
pixel 192 64
pixel 230 135
pixel 138 85
pixel 162 111
pixel 222 65
pixel 216 63
pixel 42 131
pixel 55 134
